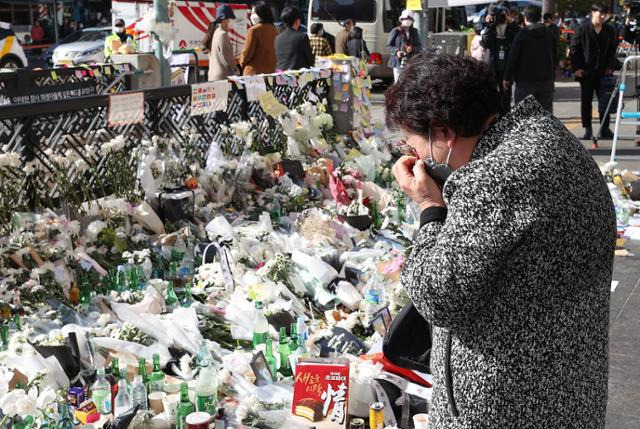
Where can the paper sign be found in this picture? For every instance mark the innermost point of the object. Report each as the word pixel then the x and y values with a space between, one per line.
pixel 414 5
pixel 254 85
pixel 209 97
pixel 271 105
pixel 126 109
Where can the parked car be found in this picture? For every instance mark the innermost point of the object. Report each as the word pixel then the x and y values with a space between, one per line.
pixel 87 48
pixel 47 54
pixel 11 53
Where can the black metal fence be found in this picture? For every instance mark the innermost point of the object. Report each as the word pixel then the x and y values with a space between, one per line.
pixel 47 130
pixel 32 86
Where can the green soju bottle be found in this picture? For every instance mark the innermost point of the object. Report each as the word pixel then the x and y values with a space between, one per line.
pixel 185 407
pixel 283 350
pixel 271 359
pixel 156 381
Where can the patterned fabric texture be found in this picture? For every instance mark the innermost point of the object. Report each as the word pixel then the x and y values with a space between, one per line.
pixel 320 46
pixel 517 281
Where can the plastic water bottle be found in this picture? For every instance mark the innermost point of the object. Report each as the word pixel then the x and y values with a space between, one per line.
pixel 102 393
pixel 374 296
pixel 260 327
pixel 139 393
pixel 123 400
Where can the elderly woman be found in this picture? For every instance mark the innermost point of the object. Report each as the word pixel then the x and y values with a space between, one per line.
pixel 512 262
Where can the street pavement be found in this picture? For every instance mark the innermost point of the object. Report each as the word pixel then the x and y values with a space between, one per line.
pixel 623 410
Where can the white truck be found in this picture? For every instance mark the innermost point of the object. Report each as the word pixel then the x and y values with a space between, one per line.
pixel 190 21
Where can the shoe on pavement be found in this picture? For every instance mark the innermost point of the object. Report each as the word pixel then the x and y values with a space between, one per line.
pixel 606 134
pixel 588 134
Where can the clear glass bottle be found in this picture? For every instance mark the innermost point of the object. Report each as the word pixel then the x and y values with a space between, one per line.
pixel 185 407
pixel 156 381
pixel 64 421
pixel 260 326
pixel 122 402
pixel 139 393
pixel 101 393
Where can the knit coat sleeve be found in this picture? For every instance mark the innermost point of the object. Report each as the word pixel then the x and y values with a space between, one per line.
pixel 451 272
pixel 225 52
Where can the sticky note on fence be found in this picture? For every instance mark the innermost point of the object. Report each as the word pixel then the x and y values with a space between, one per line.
pixel 209 97
pixel 271 105
pixel 126 109
pixel 254 85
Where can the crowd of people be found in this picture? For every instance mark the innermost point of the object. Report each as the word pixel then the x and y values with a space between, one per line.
pixel 524 49
pixel 267 48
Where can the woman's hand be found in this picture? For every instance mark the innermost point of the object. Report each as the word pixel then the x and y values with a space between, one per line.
pixel 411 175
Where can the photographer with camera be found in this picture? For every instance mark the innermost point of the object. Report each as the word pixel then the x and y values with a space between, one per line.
pixel 497 37
pixel 593 58
pixel 403 43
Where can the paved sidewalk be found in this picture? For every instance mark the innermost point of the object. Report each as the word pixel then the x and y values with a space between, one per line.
pixel 623 411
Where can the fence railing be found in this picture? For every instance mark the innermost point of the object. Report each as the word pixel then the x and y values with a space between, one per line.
pixel 33 86
pixel 45 131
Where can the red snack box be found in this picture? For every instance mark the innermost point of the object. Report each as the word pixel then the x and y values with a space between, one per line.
pixel 321 393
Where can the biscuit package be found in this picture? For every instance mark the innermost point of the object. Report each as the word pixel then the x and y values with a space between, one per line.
pixel 321 392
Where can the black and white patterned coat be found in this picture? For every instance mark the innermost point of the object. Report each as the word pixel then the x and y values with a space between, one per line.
pixel 516 282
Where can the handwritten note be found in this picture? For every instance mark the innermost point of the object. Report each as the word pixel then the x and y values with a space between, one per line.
pixel 126 109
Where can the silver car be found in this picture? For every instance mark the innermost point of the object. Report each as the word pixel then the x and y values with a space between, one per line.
pixel 87 49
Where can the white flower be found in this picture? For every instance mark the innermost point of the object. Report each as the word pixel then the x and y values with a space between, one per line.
pixel 94 229
pixel 242 412
pixel 81 165
pixel 113 145
pixel 11 159
pixel 46 398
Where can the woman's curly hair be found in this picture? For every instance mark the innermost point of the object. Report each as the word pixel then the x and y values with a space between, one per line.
pixel 458 92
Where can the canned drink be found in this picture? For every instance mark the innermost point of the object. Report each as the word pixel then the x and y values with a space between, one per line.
pixel 376 415
pixel 356 424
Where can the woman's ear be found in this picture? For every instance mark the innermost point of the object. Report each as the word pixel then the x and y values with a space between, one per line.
pixel 449 136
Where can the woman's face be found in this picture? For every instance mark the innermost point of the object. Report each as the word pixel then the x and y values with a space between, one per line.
pixel 224 24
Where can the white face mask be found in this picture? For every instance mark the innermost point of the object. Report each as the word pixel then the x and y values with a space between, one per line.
pixel 406 22
pixel 320 33
pixel 118 29
pixel 255 19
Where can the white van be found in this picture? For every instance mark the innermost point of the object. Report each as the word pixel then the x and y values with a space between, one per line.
pixel 376 18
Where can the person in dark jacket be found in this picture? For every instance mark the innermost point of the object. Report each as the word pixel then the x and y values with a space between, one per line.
pixel 593 51
pixel 553 28
pixel 512 262
pixel 531 63
pixel 403 43
pixel 293 49
pixel 498 37
pixel 357 47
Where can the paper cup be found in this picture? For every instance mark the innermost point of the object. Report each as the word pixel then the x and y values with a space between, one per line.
pixel 156 401
pixel 170 403
pixel 421 421
pixel 198 420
